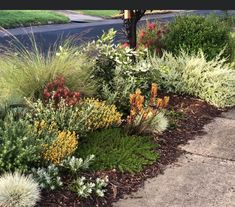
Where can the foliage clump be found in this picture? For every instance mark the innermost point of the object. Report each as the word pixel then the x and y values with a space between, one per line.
pixel 101 114
pixel 152 36
pixel 20 146
pixel 47 178
pixel 84 187
pixel 88 115
pixel 25 72
pixel 56 90
pixel 212 81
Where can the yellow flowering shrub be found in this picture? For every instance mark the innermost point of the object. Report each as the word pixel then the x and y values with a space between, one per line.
pixel 64 145
pixel 40 126
pixel 98 114
pixel 56 144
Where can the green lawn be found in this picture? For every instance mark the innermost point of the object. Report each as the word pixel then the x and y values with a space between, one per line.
pixel 16 18
pixel 100 13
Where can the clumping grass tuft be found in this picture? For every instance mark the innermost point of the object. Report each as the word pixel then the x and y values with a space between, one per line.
pixel 159 123
pixel 113 149
pixel 17 190
pixel 25 72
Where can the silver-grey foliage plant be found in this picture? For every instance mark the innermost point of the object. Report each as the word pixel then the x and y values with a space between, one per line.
pixel 75 164
pixel 84 187
pixel 48 178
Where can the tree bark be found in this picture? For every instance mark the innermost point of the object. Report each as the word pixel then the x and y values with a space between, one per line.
pixel 132 38
pixel 130 25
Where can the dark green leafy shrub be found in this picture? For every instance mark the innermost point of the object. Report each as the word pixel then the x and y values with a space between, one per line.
pixel 192 33
pixel 104 70
pixel 126 81
pixel 114 149
pixel 115 72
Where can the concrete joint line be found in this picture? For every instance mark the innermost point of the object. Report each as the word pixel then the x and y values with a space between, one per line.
pixel 210 156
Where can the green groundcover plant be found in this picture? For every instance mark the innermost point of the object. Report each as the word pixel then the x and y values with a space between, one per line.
pixel 114 149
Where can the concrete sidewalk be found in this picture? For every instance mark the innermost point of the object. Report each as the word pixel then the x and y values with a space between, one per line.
pixel 77 17
pixel 203 177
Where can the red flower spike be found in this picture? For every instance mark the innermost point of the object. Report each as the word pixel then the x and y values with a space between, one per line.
pixel 142 33
pixel 151 26
pixel 158 50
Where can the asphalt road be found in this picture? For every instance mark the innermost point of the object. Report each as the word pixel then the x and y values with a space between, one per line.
pixel 50 35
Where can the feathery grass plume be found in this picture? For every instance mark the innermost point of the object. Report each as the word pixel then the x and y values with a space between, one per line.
pixel 18 190
pixel 25 71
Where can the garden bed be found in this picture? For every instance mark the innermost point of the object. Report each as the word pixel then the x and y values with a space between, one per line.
pixel 197 113
pixel 86 133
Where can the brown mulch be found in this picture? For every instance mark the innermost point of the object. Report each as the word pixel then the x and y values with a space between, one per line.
pixel 198 113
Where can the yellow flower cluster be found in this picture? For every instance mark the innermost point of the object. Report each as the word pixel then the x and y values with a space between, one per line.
pixel 39 126
pixel 64 145
pixel 101 114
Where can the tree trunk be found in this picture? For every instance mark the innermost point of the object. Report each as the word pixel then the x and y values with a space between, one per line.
pixel 132 37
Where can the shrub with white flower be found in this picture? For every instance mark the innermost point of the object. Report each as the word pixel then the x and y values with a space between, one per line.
pixel 84 188
pixel 100 185
pixel 75 164
pixel 18 190
pixel 48 177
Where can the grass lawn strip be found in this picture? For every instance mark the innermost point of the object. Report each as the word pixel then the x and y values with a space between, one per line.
pixel 17 18
pixel 116 13
pixel 100 13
